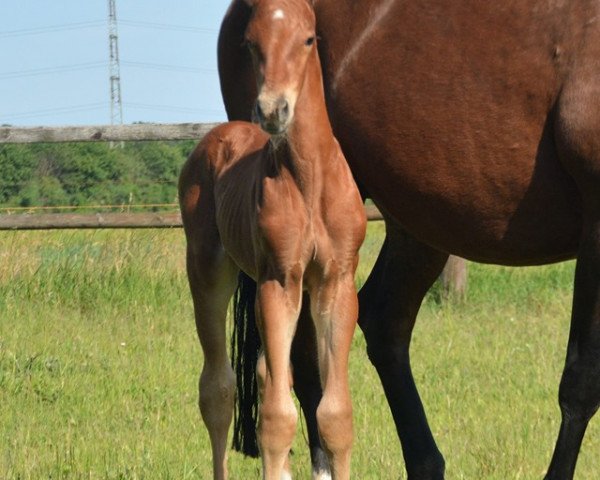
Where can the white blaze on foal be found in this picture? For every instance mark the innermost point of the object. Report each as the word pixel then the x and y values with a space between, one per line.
pixel 278 14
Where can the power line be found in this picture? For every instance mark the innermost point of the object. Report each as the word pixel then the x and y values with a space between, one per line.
pixel 178 68
pixel 51 29
pixel 115 90
pixel 92 65
pixel 49 70
pixel 54 111
pixel 99 23
pixel 100 105
pixel 171 108
pixel 165 26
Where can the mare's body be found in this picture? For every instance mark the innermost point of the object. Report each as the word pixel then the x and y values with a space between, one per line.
pixel 286 211
pixel 475 127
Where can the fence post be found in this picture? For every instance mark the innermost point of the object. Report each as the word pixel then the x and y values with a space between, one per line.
pixel 454 277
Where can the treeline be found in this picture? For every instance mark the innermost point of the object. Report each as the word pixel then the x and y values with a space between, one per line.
pixel 83 174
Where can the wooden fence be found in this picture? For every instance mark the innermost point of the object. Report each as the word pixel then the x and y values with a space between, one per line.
pixel 454 277
pixel 56 221
pixel 105 133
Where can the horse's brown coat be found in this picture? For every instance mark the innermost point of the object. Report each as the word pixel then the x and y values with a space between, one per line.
pixel 287 212
pixel 475 127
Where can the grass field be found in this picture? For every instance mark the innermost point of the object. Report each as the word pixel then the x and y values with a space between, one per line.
pixel 99 363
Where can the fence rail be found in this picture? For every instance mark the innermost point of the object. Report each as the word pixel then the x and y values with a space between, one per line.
pixel 51 221
pixel 61 221
pixel 106 133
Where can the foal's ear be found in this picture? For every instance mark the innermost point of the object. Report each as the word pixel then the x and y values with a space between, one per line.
pixel 251 3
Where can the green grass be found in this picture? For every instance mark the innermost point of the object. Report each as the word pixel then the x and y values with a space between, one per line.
pixel 99 363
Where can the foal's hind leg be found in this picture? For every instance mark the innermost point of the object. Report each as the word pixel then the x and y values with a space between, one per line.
pixel 578 139
pixel 212 276
pixel 389 302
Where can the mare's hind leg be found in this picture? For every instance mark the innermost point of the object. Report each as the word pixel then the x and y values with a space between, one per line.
pixel 307 386
pixel 578 139
pixel 389 302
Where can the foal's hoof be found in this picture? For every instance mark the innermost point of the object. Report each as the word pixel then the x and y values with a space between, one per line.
pixel 321 475
pixel 320 466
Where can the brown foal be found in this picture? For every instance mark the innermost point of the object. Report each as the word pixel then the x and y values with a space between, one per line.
pixel 280 204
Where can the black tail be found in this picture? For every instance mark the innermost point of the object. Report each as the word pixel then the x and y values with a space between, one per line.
pixel 245 345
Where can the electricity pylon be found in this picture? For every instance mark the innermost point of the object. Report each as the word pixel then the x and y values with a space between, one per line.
pixel 116 105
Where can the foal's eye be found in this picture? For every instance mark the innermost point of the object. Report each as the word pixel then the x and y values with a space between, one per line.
pixel 309 41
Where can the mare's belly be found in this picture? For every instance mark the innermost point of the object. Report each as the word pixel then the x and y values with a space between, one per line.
pixel 453 135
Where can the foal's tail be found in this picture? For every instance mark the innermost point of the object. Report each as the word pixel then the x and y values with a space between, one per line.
pixel 245 345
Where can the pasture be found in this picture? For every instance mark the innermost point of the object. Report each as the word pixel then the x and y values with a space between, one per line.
pixel 99 363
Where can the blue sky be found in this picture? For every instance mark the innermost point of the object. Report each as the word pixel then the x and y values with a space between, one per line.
pixel 167 52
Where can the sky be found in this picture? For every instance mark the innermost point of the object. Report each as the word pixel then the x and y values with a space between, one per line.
pixel 54 61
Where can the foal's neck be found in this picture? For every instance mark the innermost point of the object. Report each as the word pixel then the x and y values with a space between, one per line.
pixel 310 140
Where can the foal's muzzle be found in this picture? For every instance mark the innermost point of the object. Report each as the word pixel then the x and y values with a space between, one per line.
pixel 274 116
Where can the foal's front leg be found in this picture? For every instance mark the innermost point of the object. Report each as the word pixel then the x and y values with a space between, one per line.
pixel 334 307
pixel 278 307
pixel 307 386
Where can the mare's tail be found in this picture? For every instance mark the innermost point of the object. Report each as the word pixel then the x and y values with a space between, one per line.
pixel 245 345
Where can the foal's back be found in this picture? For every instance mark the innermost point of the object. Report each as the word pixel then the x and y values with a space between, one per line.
pixel 220 175
pixel 234 167
pixel 226 145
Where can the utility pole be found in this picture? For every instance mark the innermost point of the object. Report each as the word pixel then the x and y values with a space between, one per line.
pixel 116 105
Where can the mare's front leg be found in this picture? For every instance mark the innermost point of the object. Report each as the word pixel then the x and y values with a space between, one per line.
pixel 389 303
pixel 579 392
pixel 334 307
pixel 278 306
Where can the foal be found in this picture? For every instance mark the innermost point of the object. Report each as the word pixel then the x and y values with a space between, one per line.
pixel 280 204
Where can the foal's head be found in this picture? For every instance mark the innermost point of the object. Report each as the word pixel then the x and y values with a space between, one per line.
pixel 281 38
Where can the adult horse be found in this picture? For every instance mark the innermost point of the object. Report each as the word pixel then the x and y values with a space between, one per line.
pixel 475 128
